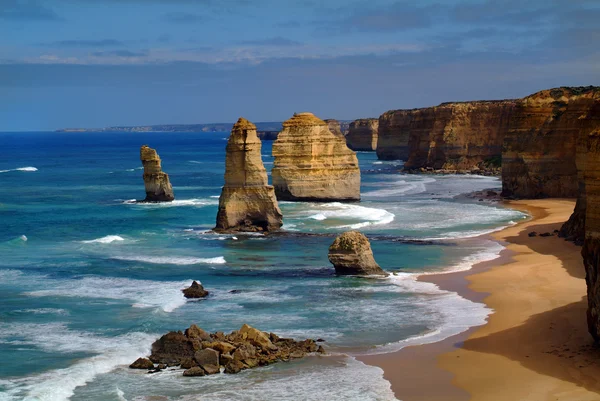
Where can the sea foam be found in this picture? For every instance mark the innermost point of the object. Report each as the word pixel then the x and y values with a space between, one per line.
pixel 173 260
pixel 366 216
pixel 26 169
pixel 104 240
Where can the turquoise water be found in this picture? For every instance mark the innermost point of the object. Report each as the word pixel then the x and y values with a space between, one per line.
pixel 89 279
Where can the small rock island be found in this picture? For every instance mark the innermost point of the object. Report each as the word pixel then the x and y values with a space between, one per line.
pixel 158 186
pixel 351 254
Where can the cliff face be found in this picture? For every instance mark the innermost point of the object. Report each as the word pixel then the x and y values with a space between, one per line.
pixel 247 202
pixel 454 136
pixel 158 187
pixel 313 164
pixel 363 134
pixel 591 246
pixel 539 158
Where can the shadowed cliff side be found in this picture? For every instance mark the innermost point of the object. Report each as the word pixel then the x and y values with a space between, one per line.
pixel 539 155
pixel 247 202
pixel 313 164
pixel 591 246
pixel 158 187
pixel 363 134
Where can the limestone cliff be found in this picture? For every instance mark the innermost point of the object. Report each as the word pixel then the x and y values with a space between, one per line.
pixel 453 136
pixel 334 126
pixel 591 246
pixel 158 187
pixel 247 202
pixel 313 164
pixel 539 157
pixel 362 134
pixel 351 254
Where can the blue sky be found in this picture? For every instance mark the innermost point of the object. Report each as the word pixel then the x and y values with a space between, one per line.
pixel 96 63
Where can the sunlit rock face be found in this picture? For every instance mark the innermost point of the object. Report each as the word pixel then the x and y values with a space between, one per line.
pixel 313 164
pixel 247 202
pixel 156 182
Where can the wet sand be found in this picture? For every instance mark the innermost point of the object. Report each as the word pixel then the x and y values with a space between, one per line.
pixel 535 345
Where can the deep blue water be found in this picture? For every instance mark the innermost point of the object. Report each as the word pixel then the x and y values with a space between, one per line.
pixel 89 279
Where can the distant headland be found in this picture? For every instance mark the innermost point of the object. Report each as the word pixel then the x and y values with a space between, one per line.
pixel 213 127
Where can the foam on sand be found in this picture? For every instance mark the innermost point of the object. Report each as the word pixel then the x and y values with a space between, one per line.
pixel 104 240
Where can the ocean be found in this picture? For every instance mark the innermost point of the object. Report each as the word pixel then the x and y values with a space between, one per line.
pixel 89 279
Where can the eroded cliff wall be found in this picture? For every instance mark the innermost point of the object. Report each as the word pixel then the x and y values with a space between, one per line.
pixel 539 156
pixel 452 136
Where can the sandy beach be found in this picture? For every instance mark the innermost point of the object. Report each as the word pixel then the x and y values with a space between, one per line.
pixel 535 345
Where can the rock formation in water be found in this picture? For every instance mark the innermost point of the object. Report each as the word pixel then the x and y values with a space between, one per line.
pixel 334 126
pixel 362 134
pixel 158 187
pixel 351 254
pixel 196 290
pixel 200 353
pixel 313 164
pixel 451 136
pixel 539 157
pixel 247 202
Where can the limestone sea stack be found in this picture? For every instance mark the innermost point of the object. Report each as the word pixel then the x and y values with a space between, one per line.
pixel 351 254
pixel 313 164
pixel 247 201
pixel 363 134
pixel 158 187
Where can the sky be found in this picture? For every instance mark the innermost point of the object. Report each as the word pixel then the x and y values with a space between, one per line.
pixel 98 63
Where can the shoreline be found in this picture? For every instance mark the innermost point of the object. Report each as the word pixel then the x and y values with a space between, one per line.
pixel 510 357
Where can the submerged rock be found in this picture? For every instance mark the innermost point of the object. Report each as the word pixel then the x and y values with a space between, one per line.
pixel 158 186
pixel 247 202
pixel 239 350
pixel 313 164
pixel 195 291
pixel 351 254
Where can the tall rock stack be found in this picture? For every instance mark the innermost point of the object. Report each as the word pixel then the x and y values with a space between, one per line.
pixel 247 202
pixel 334 126
pixel 539 157
pixel 313 164
pixel 158 187
pixel 363 134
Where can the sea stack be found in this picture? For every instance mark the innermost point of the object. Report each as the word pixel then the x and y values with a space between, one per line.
pixel 334 126
pixel 351 254
pixel 313 164
pixel 158 187
pixel 362 134
pixel 247 202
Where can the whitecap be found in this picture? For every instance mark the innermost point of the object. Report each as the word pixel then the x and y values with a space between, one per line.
pixel 173 260
pixel 60 384
pixel 104 240
pixel 400 187
pixel 165 295
pixel 26 169
pixel 175 203
pixel 364 216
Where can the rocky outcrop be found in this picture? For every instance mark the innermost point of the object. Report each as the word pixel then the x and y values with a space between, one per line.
pixel 334 126
pixel 158 187
pixel 591 246
pixel 195 291
pixel 351 254
pixel 200 353
pixel 363 134
pixel 539 158
pixel 247 202
pixel 451 136
pixel 313 164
